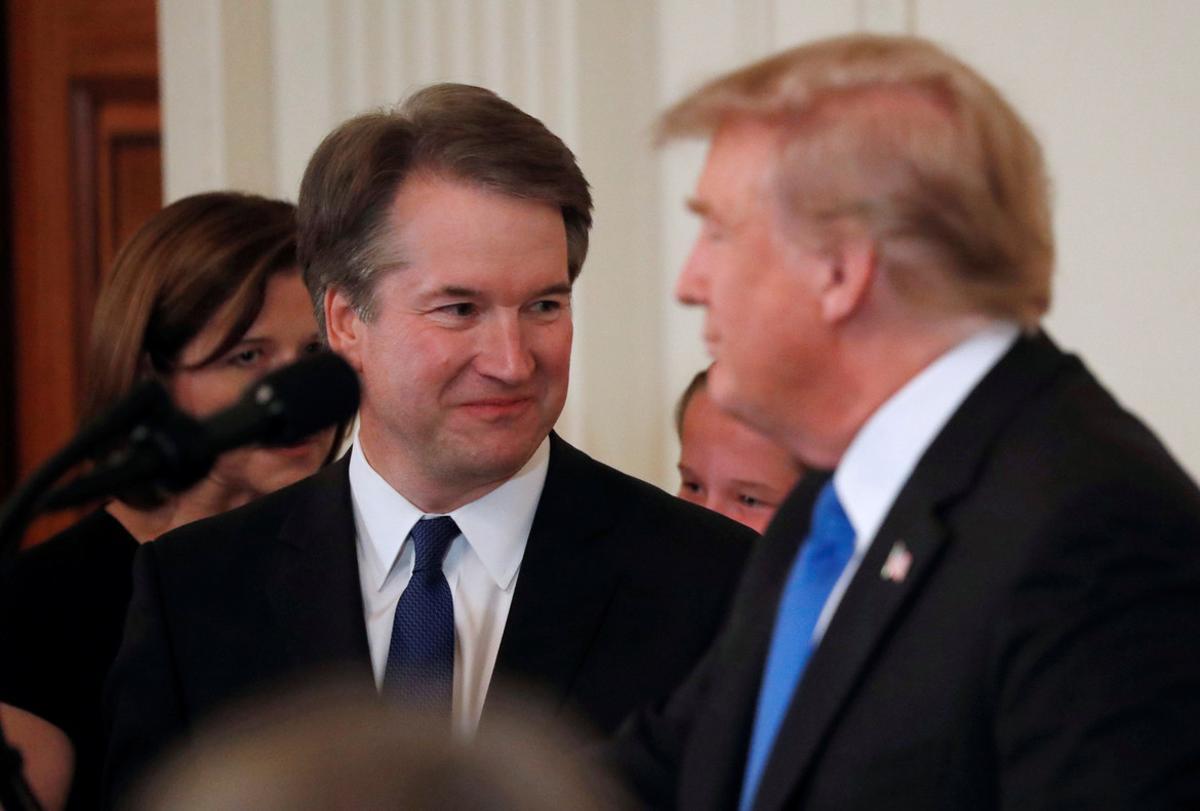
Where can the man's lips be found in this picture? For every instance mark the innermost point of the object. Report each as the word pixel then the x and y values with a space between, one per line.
pixel 497 406
pixel 710 344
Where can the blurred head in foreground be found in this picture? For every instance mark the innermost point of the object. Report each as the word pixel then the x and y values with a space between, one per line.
pixel 727 466
pixel 336 746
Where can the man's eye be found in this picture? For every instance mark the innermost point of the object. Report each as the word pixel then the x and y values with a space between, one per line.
pixel 546 307
pixel 313 348
pixel 691 487
pixel 460 309
pixel 751 501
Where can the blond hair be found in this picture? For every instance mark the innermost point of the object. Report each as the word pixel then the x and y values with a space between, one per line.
pixel 895 136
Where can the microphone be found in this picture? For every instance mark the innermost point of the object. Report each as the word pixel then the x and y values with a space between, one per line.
pixel 288 405
pixel 177 451
pixel 148 400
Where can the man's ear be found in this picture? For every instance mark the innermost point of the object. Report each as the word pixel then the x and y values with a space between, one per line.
pixel 848 277
pixel 344 327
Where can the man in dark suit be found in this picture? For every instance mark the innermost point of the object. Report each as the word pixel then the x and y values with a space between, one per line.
pixel 994 600
pixel 461 547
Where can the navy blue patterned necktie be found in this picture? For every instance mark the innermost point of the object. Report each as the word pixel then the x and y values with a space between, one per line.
pixel 420 663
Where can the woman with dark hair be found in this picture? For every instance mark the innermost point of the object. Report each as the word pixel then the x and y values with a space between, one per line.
pixel 207 298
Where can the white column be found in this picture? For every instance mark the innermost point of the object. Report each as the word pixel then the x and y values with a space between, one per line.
pixel 697 41
pixel 218 126
pixel 190 58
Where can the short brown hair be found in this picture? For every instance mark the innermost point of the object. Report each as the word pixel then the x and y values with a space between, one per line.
pixel 697 385
pixel 457 131
pixel 192 259
pixel 895 135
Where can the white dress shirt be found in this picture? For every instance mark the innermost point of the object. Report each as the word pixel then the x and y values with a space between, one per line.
pixel 481 566
pixel 884 452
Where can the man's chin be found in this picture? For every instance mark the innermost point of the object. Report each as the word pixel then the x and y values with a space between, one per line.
pixel 725 393
pixel 765 419
pixel 495 457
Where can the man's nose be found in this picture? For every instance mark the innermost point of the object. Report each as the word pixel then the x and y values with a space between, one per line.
pixel 505 354
pixel 692 285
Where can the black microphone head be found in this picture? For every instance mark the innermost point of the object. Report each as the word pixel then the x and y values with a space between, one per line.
pixel 174 451
pixel 305 397
pixel 147 401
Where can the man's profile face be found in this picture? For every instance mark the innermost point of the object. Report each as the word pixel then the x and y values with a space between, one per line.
pixel 728 467
pixel 763 326
pixel 466 360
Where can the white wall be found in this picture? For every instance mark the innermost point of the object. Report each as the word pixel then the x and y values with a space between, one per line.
pixel 250 86
pixel 1112 88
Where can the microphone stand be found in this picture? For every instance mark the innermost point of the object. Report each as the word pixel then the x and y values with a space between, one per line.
pixel 146 400
pixel 267 411
pixel 15 516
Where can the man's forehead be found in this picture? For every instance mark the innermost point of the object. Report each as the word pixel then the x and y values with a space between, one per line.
pixel 430 210
pixel 738 169
pixel 448 238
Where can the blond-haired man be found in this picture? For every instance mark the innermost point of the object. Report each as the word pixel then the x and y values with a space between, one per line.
pixel 992 600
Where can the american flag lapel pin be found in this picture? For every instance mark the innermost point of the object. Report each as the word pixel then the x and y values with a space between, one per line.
pixel 898 562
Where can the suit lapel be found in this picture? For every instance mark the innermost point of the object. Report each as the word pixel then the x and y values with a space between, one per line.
pixel 568 576
pixel 723 730
pixel 868 609
pixel 314 589
pixel 874 603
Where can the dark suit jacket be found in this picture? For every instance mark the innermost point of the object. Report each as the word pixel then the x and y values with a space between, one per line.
pixel 1042 652
pixel 621 589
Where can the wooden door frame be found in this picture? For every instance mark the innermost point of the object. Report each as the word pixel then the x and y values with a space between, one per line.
pixel 8 396
pixel 67 62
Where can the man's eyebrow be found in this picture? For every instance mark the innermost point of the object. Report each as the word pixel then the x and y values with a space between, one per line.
pixel 459 292
pixel 747 484
pixel 560 289
pixel 699 207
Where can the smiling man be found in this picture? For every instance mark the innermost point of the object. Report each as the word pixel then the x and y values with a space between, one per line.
pixel 462 547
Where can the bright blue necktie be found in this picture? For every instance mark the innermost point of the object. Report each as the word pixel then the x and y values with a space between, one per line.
pixel 420 663
pixel 815 571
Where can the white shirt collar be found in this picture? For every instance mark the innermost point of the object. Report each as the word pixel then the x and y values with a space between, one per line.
pixel 496 526
pixel 887 448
